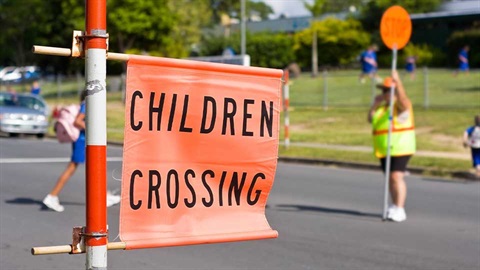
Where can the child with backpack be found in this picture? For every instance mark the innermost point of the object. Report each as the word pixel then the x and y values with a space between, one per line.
pixel 471 138
pixel 71 129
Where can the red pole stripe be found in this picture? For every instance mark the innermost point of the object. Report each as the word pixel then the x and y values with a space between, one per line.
pixel 96 203
pixel 96 24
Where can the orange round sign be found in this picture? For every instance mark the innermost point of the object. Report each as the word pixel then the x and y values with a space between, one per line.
pixel 395 27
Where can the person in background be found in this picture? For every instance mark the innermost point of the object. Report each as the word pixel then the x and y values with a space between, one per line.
pixel 11 90
pixel 402 142
pixel 368 60
pixel 78 157
pixel 463 60
pixel 35 88
pixel 471 138
pixel 411 66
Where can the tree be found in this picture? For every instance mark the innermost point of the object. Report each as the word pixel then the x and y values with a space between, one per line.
pixel 274 50
pixel 339 41
pixel 319 7
pixel 139 24
pixel 372 12
pixel 232 9
pixel 163 27
pixel 23 23
pixel 36 22
pixel 190 21
pixel 412 6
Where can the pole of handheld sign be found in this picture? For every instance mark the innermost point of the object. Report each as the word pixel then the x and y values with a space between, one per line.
pixel 390 117
pixel 96 233
pixel 325 90
pixel 426 102
pixel 286 104
pixel 243 45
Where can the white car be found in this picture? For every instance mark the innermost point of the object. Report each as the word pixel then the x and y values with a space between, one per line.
pixel 5 71
pixel 23 114
pixel 18 74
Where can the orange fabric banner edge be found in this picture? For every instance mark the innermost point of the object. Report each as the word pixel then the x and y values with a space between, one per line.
pixel 228 68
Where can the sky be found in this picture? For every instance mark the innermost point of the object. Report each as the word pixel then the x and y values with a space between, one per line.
pixel 290 8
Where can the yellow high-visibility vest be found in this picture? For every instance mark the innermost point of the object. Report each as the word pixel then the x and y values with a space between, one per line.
pixel 402 141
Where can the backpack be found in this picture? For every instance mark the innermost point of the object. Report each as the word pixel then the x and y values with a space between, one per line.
pixel 65 130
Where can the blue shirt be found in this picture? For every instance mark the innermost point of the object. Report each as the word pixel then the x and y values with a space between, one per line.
pixel 463 53
pixel 35 91
pixel 463 64
pixel 470 130
pixel 82 110
pixel 367 67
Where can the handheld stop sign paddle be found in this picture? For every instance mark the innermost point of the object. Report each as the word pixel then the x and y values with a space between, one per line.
pixel 395 27
pixel 395 30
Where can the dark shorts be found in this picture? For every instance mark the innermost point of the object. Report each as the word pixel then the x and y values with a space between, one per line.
pixel 476 157
pixel 463 66
pixel 369 69
pixel 397 164
pixel 410 68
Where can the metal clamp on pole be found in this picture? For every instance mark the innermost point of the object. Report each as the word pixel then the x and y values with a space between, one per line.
pixel 77 49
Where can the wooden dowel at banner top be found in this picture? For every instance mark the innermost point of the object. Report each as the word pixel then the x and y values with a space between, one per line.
pixel 51 50
pixel 68 52
pixel 68 248
pixel 117 56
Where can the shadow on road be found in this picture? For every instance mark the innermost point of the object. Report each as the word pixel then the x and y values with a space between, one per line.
pixel 337 211
pixel 39 203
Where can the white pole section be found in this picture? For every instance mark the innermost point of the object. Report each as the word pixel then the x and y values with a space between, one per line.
pixel 96 232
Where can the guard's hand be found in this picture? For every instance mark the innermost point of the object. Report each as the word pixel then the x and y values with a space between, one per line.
pixel 395 76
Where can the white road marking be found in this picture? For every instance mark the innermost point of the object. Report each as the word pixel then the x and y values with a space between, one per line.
pixel 44 160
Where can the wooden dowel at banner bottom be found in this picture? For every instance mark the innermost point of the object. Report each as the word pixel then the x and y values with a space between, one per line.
pixel 68 52
pixel 116 245
pixel 51 250
pixel 68 248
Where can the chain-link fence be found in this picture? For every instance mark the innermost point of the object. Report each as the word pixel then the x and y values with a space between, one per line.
pixel 62 87
pixel 428 88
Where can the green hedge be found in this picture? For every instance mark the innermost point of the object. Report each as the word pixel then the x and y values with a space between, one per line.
pixel 266 49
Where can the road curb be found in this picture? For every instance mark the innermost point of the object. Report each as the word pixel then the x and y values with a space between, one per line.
pixel 460 175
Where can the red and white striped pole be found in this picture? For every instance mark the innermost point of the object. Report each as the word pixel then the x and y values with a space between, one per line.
pixel 96 233
pixel 286 98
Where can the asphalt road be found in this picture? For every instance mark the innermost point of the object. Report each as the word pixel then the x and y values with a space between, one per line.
pixel 327 218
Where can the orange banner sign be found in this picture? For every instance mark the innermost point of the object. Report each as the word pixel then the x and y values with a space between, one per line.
pixel 200 152
pixel 395 27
